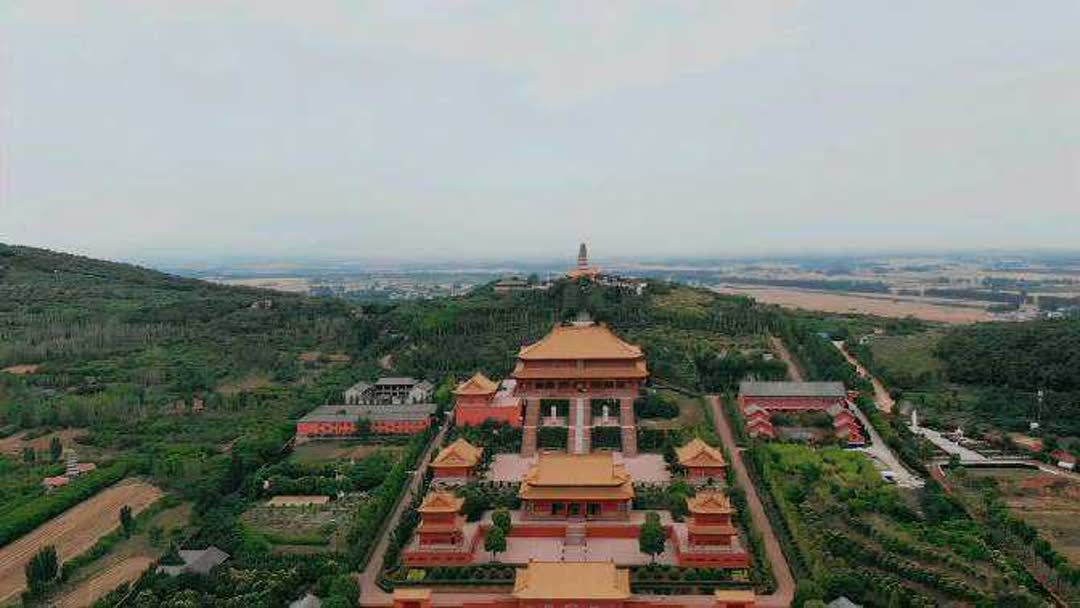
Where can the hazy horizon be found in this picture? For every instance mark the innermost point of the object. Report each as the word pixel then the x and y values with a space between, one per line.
pixel 155 132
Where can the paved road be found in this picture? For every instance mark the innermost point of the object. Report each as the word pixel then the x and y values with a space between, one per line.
pixel 794 371
pixel 878 449
pixel 370 593
pixel 882 399
pixel 949 446
pixel 785 582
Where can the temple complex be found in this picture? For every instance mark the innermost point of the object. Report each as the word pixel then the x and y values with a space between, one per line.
pixel 760 400
pixel 578 364
pixel 701 461
pixel 566 486
pixel 457 461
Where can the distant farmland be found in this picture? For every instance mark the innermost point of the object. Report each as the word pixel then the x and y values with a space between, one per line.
pixel 882 305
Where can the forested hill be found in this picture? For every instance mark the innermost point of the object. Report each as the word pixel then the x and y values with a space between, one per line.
pixel 123 334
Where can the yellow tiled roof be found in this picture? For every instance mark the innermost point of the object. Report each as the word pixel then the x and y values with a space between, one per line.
pixel 709 502
pixel 460 453
pixel 597 469
pixel 479 384
pixel 593 341
pixel 734 595
pixel 580 476
pixel 572 581
pixel 697 453
pixel 405 593
pixel 441 502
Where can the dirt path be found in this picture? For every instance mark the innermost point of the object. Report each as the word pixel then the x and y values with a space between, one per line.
pixel 73 531
pixel 785 582
pixel 882 399
pixel 794 371
pixel 124 571
pixel 370 594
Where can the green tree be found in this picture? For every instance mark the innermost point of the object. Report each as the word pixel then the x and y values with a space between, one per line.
pixel 501 519
pixel 56 449
pixel 42 570
pixel 651 537
pixel 495 541
pixel 363 427
pixel 156 533
pixel 28 455
pixel 127 522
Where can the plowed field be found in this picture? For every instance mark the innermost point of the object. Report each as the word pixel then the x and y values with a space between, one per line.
pixel 90 591
pixel 73 531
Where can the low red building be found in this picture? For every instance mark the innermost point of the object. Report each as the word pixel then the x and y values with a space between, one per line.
pixel 344 420
pixel 791 396
pixel 701 461
pixel 457 460
pixel 588 486
pixel 758 401
pixel 479 399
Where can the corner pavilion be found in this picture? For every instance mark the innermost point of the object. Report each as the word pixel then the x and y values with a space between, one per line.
pixel 457 460
pixel 571 486
pixel 579 363
pixel 701 460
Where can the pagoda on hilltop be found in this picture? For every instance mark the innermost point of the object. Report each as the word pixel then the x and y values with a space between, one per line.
pixel 583 270
pixel 577 364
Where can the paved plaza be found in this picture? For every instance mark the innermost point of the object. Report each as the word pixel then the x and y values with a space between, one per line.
pixel 643 468
pixel 623 550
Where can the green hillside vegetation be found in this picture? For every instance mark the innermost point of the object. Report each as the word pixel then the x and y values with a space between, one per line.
pixel 985 377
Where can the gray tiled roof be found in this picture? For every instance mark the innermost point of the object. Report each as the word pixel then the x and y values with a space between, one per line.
pixel 792 389
pixel 395 381
pixel 375 413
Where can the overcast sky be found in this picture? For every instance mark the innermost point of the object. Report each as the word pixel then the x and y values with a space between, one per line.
pixel 146 129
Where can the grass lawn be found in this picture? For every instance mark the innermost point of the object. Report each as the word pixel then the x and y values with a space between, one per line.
pixel 337 449
pixel 691 413
pixel 908 361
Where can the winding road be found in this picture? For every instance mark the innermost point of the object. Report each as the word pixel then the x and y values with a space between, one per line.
pixel 785 582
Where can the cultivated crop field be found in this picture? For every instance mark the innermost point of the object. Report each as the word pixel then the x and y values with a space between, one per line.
pixel 73 531
pixel 311 525
pixel 124 571
pixel 1050 503
pixel 866 304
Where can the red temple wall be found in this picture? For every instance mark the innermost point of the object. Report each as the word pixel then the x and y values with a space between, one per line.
pixel 454 472
pixel 476 415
